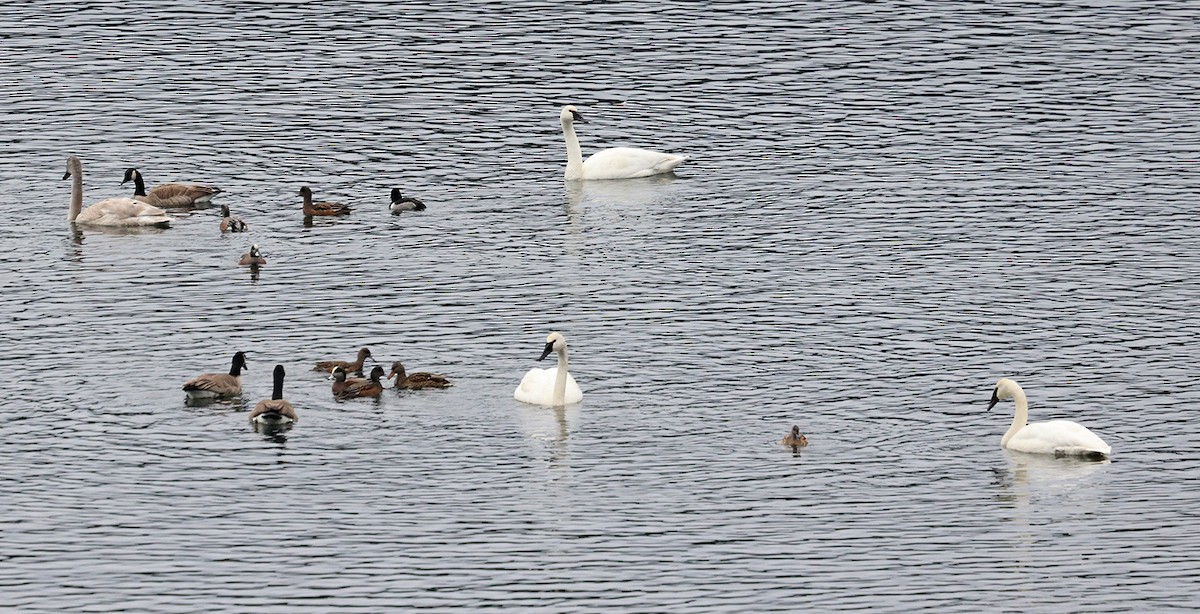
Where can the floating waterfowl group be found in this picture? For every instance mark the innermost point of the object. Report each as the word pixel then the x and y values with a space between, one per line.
pixel 554 386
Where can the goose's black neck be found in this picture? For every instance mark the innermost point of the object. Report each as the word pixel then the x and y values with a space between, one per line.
pixel 277 393
pixel 239 361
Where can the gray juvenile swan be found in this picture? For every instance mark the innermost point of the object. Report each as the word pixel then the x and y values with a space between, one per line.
pixel 110 211
pixel 614 163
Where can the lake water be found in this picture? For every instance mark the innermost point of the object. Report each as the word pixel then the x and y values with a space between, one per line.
pixel 887 208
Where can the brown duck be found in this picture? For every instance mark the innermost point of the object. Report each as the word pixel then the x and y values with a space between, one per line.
pixel 795 439
pixel 170 194
pixel 213 385
pixel 229 223
pixel 352 367
pixel 252 257
pixel 321 208
pixel 358 387
pixel 339 380
pixel 417 381
pixel 275 410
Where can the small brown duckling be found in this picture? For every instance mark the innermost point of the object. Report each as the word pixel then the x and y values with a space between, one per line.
pixel 321 208
pixel 795 439
pixel 417 381
pixel 352 367
pixel 252 257
pixel 357 387
pixel 229 223
pixel 275 410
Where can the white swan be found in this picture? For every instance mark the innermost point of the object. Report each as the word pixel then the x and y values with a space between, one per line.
pixel 1057 437
pixel 553 387
pixel 110 211
pixel 614 163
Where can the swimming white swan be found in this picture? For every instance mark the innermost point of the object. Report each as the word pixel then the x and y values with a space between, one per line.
pixel 553 387
pixel 110 211
pixel 1057 437
pixel 614 163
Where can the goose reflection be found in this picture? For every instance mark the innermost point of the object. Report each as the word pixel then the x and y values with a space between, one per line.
pixel 274 432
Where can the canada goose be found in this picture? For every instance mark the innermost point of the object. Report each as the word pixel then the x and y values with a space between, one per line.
pixel 795 439
pixel 352 367
pixel 614 163
pixel 1057 437
pixel 213 385
pixel 358 387
pixel 252 257
pixel 554 386
pixel 229 222
pixel 169 194
pixel 110 211
pixel 275 410
pixel 417 381
pixel 321 208
pixel 401 204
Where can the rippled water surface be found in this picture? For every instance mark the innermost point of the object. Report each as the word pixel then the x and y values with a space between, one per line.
pixel 887 207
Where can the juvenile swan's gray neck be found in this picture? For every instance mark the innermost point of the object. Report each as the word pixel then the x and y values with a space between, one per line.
pixel 1022 416
pixel 560 379
pixel 76 168
pixel 574 154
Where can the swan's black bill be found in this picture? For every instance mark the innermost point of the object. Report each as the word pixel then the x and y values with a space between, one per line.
pixel 995 399
pixel 67 175
pixel 577 117
pixel 546 352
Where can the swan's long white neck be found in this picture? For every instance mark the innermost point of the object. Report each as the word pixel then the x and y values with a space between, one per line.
pixel 560 379
pixel 574 153
pixel 76 191
pixel 1021 418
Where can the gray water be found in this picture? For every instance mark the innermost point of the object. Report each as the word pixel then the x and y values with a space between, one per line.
pixel 887 208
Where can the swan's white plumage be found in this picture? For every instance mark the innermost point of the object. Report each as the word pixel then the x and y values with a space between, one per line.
pixel 110 211
pixel 1057 437
pixel 613 163
pixel 537 387
pixel 548 386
